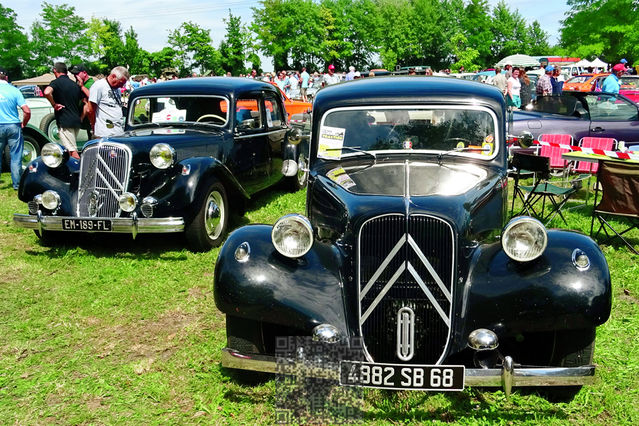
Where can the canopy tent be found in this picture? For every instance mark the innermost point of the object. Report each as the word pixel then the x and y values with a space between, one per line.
pixel 598 63
pixel 42 80
pixel 518 61
pixel 584 63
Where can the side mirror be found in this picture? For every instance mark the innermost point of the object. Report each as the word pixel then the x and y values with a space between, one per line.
pixel 294 136
pixel 525 139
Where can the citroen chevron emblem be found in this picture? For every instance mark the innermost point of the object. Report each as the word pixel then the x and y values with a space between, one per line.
pixel 406 266
pixel 405 333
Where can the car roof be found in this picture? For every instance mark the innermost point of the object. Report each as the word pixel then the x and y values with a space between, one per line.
pixel 405 90
pixel 223 86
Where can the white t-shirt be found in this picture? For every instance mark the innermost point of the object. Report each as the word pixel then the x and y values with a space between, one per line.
pixel 516 86
pixel 331 79
pixel 108 115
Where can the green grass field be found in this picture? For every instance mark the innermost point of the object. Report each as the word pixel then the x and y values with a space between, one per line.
pixel 109 330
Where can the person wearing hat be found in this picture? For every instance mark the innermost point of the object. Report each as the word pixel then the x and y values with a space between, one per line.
pixel 611 84
pixel 85 82
pixel 66 97
pixel 10 125
pixel 330 78
pixel 544 84
pixel 509 69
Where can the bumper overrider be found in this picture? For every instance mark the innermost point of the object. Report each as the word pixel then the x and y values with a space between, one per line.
pixel 119 225
pixel 508 376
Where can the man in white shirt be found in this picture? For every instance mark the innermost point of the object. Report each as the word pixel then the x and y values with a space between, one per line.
pixel 330 78
pixel 106 110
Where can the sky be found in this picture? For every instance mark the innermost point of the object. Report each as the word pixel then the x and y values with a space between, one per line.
pixel 153 19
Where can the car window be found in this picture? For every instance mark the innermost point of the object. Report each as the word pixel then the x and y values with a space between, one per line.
pixel 607 107
pixel 274 113
pixel 580 79
pixel 248 114
pixel 629 83
pixel 409 128
pixel 179 109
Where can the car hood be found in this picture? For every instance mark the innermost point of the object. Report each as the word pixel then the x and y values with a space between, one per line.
pixel 467 195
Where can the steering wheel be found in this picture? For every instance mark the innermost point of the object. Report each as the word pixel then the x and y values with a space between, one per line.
pixel 217 117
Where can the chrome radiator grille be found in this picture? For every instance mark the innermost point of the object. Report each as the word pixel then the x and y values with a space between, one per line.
pixel 406 274
pixel 104 175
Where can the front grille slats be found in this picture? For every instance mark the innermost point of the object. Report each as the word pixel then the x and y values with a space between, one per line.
pixel 104 176
pixel 433 240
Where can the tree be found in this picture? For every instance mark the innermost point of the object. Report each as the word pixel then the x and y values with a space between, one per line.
pixel 233 46
pixel 466 56
pixel 59 35
pixel 160 60
pixel 193 50
pixel 14 45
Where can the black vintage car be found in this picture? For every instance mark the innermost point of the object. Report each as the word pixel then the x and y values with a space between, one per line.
pixel 406 256
pixel 192 151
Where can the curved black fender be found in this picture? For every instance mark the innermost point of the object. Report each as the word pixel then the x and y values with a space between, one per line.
pixel 268 287
pixel 37 177
pixel 547 294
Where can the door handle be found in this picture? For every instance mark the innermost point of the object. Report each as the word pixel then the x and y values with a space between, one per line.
pixel 597 129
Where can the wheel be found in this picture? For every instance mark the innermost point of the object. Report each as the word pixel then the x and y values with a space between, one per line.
pixel 48 238
pixel 30 151
pixel 209 226
pixel 217 117
pixel 49 126
pixel 572 348
pixel 297 182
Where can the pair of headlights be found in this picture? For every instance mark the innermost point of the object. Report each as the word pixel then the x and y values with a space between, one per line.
pixel 162 155
pixel 524 239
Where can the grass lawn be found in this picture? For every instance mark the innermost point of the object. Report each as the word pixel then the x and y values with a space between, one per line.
pixel 110 330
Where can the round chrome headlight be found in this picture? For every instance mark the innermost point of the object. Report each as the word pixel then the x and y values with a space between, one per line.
pixel 52 155
pixel 127 202
pixel 162 155
pixel 292 235
pixel 50 200
pixel 524 239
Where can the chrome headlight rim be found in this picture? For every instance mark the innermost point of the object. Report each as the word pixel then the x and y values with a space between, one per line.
pixel 162 155
pixel 52 155
pixel 280 226
pixel 50 200
pixel 127 202
pixel 518 222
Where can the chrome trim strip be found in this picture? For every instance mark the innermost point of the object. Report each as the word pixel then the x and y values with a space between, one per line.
pixel 430 296
pixel 382 293
pixel 252 135
pixel 383 266
pixel 488 377
pixel 405 333
pixel 430 268
pixel 119 225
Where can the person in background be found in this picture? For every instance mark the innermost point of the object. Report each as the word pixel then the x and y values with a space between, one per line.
pixel 544 85
pixel 351 73
pixel 305 78
pixel 81 75
pixel 556 81
pixel 611 84
pixel 66 97
pixel 500 80
pixel 106 110
pixel 330 78
pixel 525 92
pixel 509 70
pixel 294 84
pixel 10 125
pixel 513 89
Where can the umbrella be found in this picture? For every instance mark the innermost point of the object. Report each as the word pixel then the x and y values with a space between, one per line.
pixel 518 61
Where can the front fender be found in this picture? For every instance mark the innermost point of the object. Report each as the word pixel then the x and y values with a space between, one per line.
pixel 268 287
pixel 547 294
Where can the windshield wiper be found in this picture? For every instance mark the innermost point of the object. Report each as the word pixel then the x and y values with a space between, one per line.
pixel 354 149
pixel 441 155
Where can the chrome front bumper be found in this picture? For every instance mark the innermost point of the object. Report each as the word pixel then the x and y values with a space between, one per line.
pixel 506 377
pixel 119 225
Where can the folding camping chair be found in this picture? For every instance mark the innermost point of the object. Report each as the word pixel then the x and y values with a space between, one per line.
pixel 607 144
pixel 619 185
pixel 541 190
pixel 554 153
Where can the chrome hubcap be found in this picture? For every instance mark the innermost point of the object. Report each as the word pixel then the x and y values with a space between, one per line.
pixel 214 214
pixel 301 166
pixel 29 153
pixel 52 132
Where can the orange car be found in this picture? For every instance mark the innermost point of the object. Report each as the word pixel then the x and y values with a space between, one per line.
pixel 293 107
pixel 585 82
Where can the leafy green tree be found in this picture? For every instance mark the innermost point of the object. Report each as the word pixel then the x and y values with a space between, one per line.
pixel 476 26
pixel 59 35
pixel 607 29
pixel 160 60
pixel 193 50
pixel 466 56
pixel 14 45
pixel 233 46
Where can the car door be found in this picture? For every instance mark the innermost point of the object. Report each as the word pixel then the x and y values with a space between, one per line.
pixel 249 157
pixel 612 116
pixel 277 127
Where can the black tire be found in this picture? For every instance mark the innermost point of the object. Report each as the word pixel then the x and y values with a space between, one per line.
pixel 209 226
pixel 49 238
pixel 50 128
pixel 297 182
pixel 572 348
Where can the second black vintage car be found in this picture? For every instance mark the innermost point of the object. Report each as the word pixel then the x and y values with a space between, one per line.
pixel 193 151
pixel 406 258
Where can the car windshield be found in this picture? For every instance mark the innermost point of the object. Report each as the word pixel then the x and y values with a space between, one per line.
pixel 179 109
pixel 472 132
pixel 630 82
pixel 580 79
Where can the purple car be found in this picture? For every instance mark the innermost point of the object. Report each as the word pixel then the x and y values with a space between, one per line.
pixel 581 114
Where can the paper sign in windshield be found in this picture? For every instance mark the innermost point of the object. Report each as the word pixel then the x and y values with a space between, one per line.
pixel 169 115
pixel 340 177
pixel 331 141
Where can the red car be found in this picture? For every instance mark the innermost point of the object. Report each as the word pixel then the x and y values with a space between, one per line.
pixel 630 87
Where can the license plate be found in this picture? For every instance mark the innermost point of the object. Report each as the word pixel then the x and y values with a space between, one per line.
pixel 86 225
pixel 402 376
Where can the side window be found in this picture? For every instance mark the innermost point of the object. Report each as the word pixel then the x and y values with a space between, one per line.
pixel 141 111
pixel 274 113
pixel 248 115
pixel 611 108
